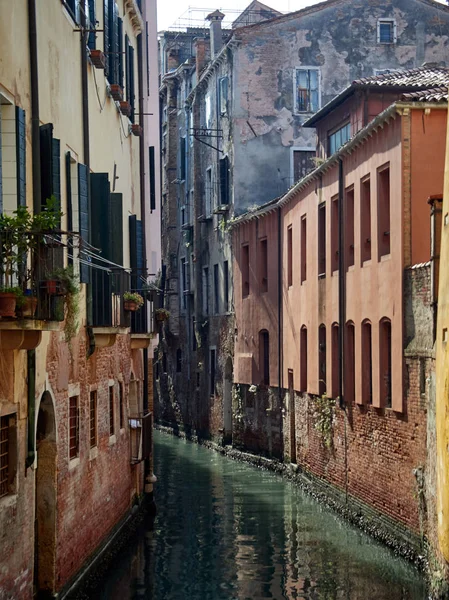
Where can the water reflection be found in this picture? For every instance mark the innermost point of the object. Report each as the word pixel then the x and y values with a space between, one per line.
pixel 226 530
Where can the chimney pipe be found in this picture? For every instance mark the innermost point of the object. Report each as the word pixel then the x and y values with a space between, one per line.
pixel 216 36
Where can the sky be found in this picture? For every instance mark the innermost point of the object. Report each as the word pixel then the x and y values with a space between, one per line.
pixel 169 11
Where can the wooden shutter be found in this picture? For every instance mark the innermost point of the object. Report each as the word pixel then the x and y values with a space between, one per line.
pixel 116 228
pixel 101 280
pixel 68 186
pixel 92 22
pixel 127 80
pixel 152 180
pixel 21 156
pixel 46 155
pixel 56 173
pixel 132 242
pixel 136 251
pixel 120 51
pixel 224 180
pixel 115 43
pixel 131 82
pixel 106 34
pixel 1 173
pixel 83 203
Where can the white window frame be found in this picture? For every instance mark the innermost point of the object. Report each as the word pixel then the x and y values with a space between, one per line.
pixel 390 21
pixel 294 149
pixel 295 97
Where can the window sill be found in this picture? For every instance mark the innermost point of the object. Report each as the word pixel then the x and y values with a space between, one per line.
pixel 385 257
pixel 367 263
pixel 93 453
pixel 122 431
pixel 73 463
pixel 112 440
pixel 322 276
pixel 351 268
pixel 9 500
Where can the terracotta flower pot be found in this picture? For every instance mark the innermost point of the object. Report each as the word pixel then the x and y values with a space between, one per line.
pixel 7 304
pixel 29 306
pixel 131 305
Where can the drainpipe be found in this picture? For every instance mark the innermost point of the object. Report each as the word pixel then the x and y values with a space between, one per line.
pixel 279 307
pixel 341 282
pixel 36 177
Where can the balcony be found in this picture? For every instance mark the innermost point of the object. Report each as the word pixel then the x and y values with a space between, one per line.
pixel 142 320
pixel 141 431
pixel 32 289
pixel 109 317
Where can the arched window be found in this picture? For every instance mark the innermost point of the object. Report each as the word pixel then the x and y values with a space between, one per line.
pixel 335 360
pixel 322 359
pixel 385 362
pixel 264 356
pixel 367 363
pixel 349 356
pixel 303 359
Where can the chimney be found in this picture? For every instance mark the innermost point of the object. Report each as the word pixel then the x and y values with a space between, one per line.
pixel 216 36
pixel 201 47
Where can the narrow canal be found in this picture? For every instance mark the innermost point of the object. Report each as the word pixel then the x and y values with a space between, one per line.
pixel 225 530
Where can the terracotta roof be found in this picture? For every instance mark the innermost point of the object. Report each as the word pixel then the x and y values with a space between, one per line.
pixel 407 81
pixel 437 94
pixel 422 77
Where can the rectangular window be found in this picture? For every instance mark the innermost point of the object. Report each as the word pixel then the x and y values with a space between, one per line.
pixel 263 265
pixel 111 411
pixel 303 249
pixel 264 357
pixel 367 364
pixel 208 192
pixel 182 159
pixel 223 95
pixel 74 440
pixel 307 90
pixel 335 361
pixel 216 290
pixel 121 405
pixel 226 285
pixel 6 467
pixel 349 367
pixel 224 181
pixel 290 256
pixel 303 360
pixel 365 219
pixel 337 138
pixel 335 234
pixel 212 367
pixel 184 283
pixel 303 163
pixel 245 270
pixel 194 345
pixel 349 227
pixel 206 290
pixel 93 419
pixel 322 240
pixel 386 31
pixel 383 211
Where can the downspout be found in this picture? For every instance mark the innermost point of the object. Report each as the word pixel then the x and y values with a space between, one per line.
pixel 279 307
pixel 36 176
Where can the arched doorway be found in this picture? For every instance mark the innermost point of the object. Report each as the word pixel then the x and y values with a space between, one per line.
pixel 227 403
pixel 45 518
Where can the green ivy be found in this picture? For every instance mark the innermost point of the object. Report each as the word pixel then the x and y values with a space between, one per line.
pixel 323 411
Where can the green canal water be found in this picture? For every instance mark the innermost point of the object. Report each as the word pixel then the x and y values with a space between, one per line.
pixel 225 530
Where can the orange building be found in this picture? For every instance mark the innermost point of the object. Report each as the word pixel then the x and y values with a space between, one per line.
pixel 335 299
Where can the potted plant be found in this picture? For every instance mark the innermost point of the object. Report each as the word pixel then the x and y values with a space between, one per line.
pixel 161 314
pixel 27 304
pixel 9 298
pixel 67 286
pixel 133 301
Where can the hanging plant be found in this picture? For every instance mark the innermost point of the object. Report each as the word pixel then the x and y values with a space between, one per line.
pixel 323 412
pixel 69 284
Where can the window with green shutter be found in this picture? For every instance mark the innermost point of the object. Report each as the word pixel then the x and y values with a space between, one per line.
pixel 83 202
pixel 92 22
pixel 106 34
pixel 21 156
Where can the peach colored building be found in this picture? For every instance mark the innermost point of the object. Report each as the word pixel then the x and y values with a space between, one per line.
pixel 334 297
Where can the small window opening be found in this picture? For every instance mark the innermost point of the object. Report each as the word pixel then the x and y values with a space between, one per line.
pixel 303 249
pixel 290 256
pixel 245 270
pixel 349 226
pixel 385 363
pixel 74 440
pixel 263 265
pixel 383 210
pixel 367 364
pixel 365 220
pixel 264 356
pixel 322 240
pixel 303 360
pixel 322 360
pixel 335 228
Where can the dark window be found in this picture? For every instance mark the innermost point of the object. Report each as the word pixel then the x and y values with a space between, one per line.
pixel 226 285
pixel 307 90
pixel 383 211
pixel 349 367
pixel 182 159
pixel 83 204
pixel 184 282
pixel 264 357
pixel 72 6
pixel 337 138
pixel 223 95
pixel 121 405
pixel 206 290
pixel 93 419
pixel 303 163
pixel 290 256
pixel 164 362
pixel 367 364
pixel 334 234
pixel 349 227
pixel 92 23
pixel 322 360
pixel 422 376
pixel 74 440
pixel 194 345
pixel 212 367
pixel 386 32
pixel 178 360
pixel 245 270
pixel 263 265
pixel 303 360
pixel 365 220
pixel 216 290
pixel 6 466
pixel 152 179
pixel 111 411
pixel 335 361
pixel 385 362
pixel 21 156
pixel 303 249
pixel 224 181
pixel 322 240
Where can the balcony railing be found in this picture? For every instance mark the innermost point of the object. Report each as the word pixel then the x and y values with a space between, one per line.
pixel 108 287
pixel 141 432
pixel 31 264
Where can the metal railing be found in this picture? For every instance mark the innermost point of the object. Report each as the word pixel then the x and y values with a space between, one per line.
pixel 141 436
pixel 108 287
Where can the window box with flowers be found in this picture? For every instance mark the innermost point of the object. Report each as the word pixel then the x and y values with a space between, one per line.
pixel 132 301
pixel 161 314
